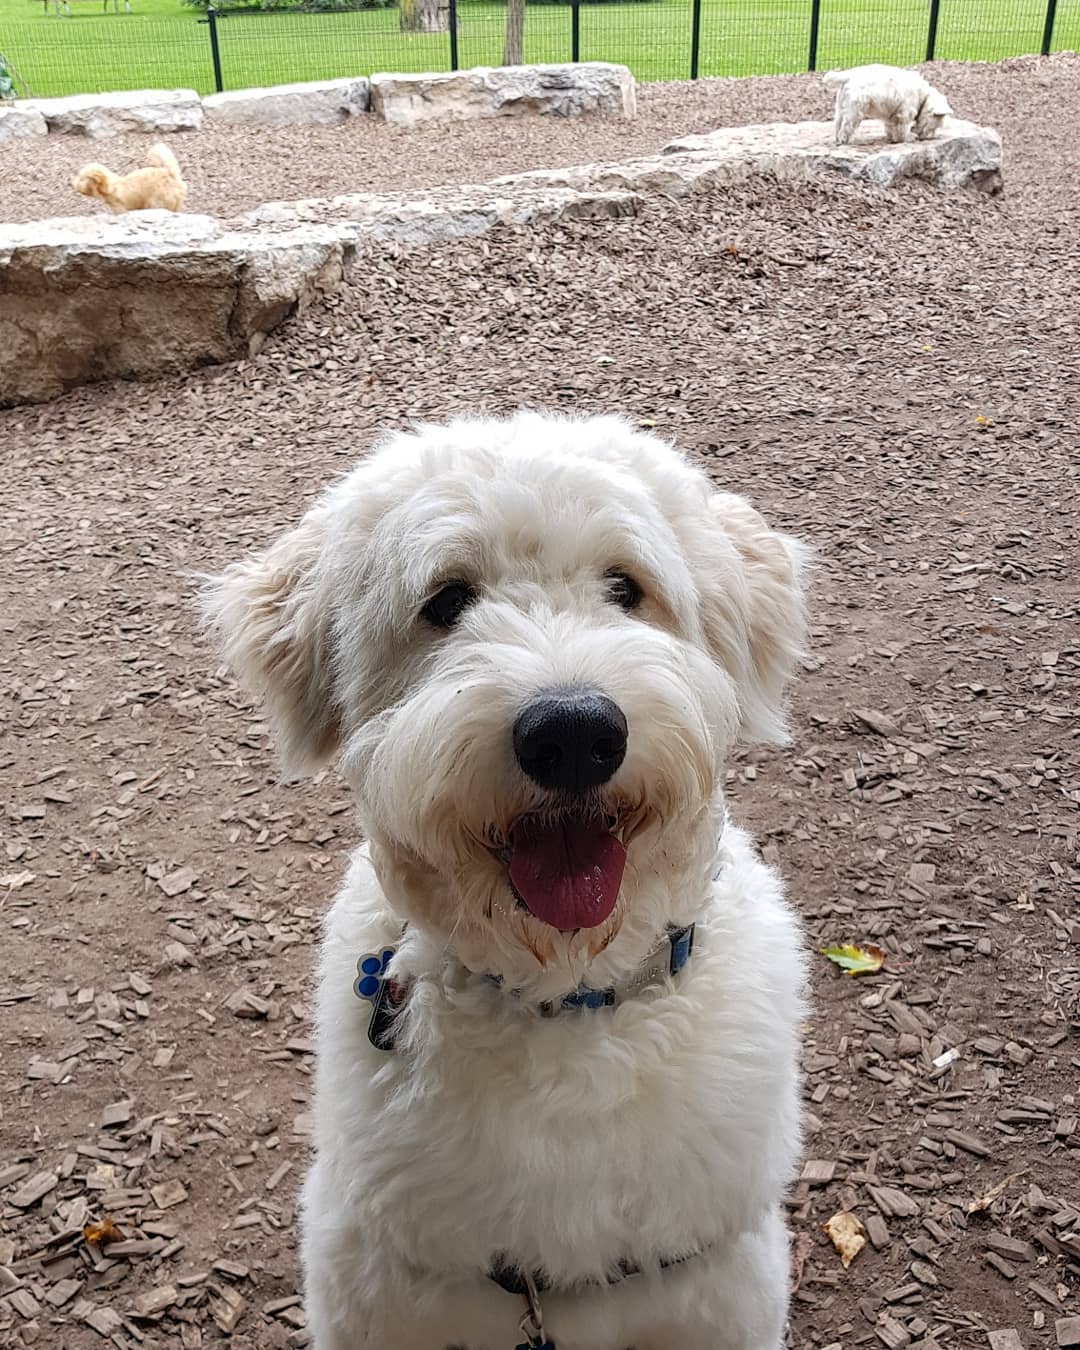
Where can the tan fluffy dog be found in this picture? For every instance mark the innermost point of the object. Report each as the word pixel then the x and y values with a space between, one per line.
pixel 159 186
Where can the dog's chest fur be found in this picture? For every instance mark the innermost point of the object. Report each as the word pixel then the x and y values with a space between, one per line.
pixel 572 1143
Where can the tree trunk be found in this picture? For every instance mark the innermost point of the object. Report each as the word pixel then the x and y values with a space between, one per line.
pixel 423 16
pixel 514 46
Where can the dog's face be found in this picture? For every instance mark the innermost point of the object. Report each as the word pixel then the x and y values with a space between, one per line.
pixel 93 180
pixel 533 642
pixel 932 113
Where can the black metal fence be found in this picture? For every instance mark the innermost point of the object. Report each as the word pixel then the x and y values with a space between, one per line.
pixel 657 39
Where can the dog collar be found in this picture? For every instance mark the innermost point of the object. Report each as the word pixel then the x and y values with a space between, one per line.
pixel 668 959
pixel 387 996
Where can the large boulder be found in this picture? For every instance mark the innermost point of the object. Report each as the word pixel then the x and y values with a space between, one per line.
pixel 505 91
pixel 322 101
pixel 16 122
pixel 126 110
pixel 86 299
pixel 963 154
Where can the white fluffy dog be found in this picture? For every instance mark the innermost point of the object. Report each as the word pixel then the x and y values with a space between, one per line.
pixel 560 994
pixel 901 98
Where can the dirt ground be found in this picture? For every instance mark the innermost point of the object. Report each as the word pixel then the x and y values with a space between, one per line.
pixel 891 375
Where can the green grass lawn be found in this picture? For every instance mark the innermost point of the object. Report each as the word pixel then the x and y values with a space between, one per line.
pixel 162 45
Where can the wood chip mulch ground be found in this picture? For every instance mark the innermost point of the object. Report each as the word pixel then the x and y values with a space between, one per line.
pixel 892 375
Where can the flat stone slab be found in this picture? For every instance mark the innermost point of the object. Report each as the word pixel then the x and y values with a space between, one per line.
pixel 964 155
pixel 314 102
pixel 505 91
pixel 100 115
pixel 18 122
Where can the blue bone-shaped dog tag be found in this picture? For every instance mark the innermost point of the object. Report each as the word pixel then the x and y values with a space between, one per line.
pixel 370 970
pixel 385 997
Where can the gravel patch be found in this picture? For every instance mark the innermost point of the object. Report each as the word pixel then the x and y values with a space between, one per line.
pixel 890 375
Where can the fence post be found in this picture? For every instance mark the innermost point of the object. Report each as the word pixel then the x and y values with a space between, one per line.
pixel 695 38
pixel 215 50
pixel 575 30
pixel 1048 31
pixel 815 26
pixel 931 32
pixel 452 20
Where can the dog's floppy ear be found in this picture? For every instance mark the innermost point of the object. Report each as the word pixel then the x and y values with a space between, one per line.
pixel 937 104
pixel 754 614
pixel 272 617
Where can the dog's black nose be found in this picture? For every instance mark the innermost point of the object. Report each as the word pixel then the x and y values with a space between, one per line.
pixel 569 742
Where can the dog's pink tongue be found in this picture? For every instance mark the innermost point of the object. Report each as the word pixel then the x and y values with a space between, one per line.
pixel 568 874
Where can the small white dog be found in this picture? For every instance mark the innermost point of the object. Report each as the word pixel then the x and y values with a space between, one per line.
pixel 901 98
pixel 560 994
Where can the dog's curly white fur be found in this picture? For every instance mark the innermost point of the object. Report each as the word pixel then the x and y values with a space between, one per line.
pixel 907 103
pixel 663 1126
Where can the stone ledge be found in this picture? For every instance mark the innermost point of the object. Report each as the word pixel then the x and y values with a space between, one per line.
pixel 964 155
pixel 443 213
pixel 505 91
pixel 313 102
pixel 86 299
pixel 16 122
pixel 98 115
pixel 486 91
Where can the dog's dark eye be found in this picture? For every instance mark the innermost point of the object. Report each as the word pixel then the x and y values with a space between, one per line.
pixel 447 606
pixel 623 591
